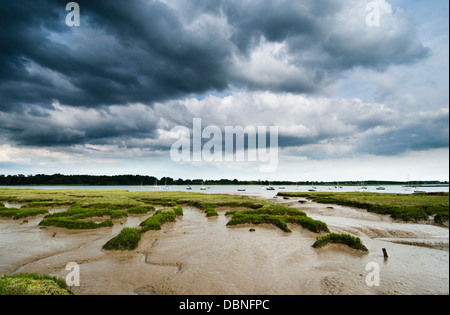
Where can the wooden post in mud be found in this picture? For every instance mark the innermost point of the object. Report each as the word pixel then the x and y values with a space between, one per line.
pixel 385 254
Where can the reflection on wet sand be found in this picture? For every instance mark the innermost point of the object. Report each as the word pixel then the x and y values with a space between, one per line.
pixel 199 255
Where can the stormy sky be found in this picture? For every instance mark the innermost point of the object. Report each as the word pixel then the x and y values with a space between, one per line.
pixel 351 101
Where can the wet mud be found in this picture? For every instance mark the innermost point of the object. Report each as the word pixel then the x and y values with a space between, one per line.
pixel 199 255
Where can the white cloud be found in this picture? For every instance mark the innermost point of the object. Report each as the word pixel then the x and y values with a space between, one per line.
pixel 270 66
pixel 10 154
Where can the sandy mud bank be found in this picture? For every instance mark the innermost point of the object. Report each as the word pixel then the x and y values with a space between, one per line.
pixel 199 255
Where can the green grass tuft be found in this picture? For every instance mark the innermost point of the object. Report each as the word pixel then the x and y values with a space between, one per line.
pixel 315 226
pixel 159 218
pixel 20 213
pixel 118 214
pixel 128 239
pixel 243 218
pixel 346 239
pixel 72 224
pixel 140 209
pixel 277 215
pixel 32 284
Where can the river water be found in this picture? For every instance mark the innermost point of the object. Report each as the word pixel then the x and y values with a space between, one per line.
pixel 255 190
pixel 199 255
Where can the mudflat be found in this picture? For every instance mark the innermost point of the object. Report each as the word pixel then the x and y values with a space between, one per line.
pixel 198 255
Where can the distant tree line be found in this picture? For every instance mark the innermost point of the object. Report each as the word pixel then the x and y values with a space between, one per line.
pixel 134 180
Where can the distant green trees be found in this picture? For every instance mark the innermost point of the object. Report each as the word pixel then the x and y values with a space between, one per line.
pixel 134 180
pixel 87 180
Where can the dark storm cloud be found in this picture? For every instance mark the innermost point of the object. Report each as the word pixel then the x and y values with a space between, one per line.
pixel 146 51
pixel 124 52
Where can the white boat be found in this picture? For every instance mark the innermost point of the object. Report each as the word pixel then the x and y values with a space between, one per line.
pixel 409 188
pixel 270 187
pixel 361 188
pixel 314 188
pixel 165 186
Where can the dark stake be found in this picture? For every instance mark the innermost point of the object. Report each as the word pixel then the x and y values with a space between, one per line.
pixel 385 253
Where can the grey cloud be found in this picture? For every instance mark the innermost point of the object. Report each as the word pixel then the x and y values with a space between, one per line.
pixel 423 131
pixel 146 51
pixel 418 132
pixel 323 129
pixel 64 126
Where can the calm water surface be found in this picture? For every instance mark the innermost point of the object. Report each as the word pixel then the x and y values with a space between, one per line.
pixel 246 190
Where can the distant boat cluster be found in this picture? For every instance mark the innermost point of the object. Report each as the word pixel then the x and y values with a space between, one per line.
pixel 321 188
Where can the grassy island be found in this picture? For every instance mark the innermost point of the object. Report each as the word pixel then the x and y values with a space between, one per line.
pixel 17 214
pixel 277 215
pixel 404 207
pixel 128 238
pixel 346 239
pixel 32 284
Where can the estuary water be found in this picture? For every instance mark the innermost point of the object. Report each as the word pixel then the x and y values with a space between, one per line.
pixel 253 190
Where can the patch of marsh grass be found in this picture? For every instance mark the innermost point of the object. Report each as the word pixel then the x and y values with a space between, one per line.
pixel 32 284
pixel 404 207
pixel 346 239
pixel 20 213
pixel 128 239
